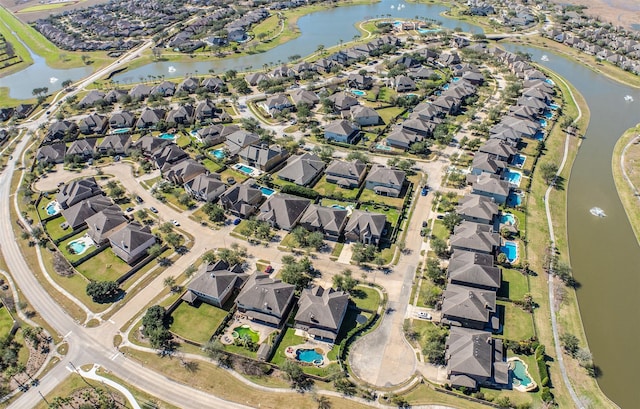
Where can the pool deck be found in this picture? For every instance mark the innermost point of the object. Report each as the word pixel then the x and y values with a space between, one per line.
pixel 532 386
pixel 290 352
pixel 240 319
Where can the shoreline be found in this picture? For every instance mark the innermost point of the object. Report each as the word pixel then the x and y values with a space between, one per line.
pixel 623 185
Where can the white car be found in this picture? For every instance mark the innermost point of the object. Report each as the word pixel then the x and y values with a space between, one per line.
pixel 424 315
pixel 175 222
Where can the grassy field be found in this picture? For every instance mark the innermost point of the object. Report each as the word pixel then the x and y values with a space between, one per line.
pixel 44 7
pixel 196 323
pixel 439 230
pixel 331 189
pixel 288 339
pixel 514 284
pixel 626 194
pixel 366 298
pixel 6 322
pixel 54 229
pixel 518 324
pixel 389 114
pixel 104 266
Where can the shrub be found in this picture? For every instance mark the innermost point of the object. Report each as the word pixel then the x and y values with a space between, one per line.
pixel 300 191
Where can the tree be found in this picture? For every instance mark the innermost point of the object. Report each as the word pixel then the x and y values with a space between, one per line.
pixel 294 374
pixel 439 246
pixel 209 257
pixel 174 239
pixel 154 251
pixel 166 227
pixel 563 271
pixel 548 171
pixel 170 282
pixel 357 155
pixel 214 212
pixel 570 343
pixel 434 271
pixel 102 291
pixel 451 220
pixel 155 328
pixel 215 351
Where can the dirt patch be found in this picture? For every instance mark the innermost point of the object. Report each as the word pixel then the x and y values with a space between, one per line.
pixel 619 12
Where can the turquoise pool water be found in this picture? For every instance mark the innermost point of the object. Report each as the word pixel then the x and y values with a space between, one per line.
pixel 539 136
pixel 554 106
pixel 122 130
pixel 167 136
pixel 266 191
pixel 543 123
pixel 445 86
pixel 514 199
pixel 550 81
pixel 548 114
pixel 358 92
pixel 309 355
pixel 428 30
pixel 218 153
pixel 52 209
pixel 383 147
pixel 78 246
pixel 246 332
pixel 455 79
pixel 510 249
pixel 519 374
pixel 518 160
pixel 508 218
pixel 337 206
pixel 245 169
pixel 513 177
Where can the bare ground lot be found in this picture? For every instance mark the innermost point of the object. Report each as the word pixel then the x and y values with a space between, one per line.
pixel 618 12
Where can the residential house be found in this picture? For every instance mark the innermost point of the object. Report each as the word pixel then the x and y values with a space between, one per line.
pixel 330 221
pixel 115 144
pixel 76 191
pixel 469 307
pixel 241 200
pixel 190 85
pixel 84 148
pixel 359 81
pixel 385 181
pixel 122 119
pixel 168 155
pixel 475 359
pixel 51 154
pixel 115 95
pixel 486 163
pixel 477 209
pixel 150 117
pixel 140 92
pixel 266 300
pixel 476 237
pixel 342 101
pixel 205 187
pixel 184 171
pixel 205 111
pixel 181 115
pixel 215 283
pixel 93 124
pixel 239 139
pixel 255 78
pixel 92 98
pixel 60 130
pixel 491 186
pixel 364 116
pixel 104 223
pixel 148 144
pixel 402 138
pixel 275 104
pixel 321 312
pixel 342 131
pixel 302 169
pixel 301 95
pixel 347 175
pixel 499 150
pixel 365 227
pixel 213 84
pixel 164 89
pixel 131 242
pixel 76 216
pixel 5 113
pixel 403 83
pixel 474 270
pixel 283 211
pixel 211 135
pixel 23 110
pixel 263 157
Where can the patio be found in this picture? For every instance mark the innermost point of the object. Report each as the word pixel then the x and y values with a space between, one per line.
pixel 240 320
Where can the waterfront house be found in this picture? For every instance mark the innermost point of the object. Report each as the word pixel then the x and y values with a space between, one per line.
pixel 469 307
pixel 150 117
pixel 476 237
pixel 491 186
pixel 474 270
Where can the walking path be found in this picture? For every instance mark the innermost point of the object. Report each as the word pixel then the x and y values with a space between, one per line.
pixel 624 169
pixel 91 374
pixel 552 237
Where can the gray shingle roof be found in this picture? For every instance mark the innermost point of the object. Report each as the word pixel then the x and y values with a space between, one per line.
pixel 322 308
pixel 302 169
pixel 261 293
pixel 477 206
pixel 471 269
pixel 283 210
pixel 468 303
pixel 475 236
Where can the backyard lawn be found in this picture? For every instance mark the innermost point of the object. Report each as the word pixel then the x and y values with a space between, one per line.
pixel 439 230
pixel 196 323
pixel 72 256
pixel 514 285
pixel 54 229
pixel 212 166
pixel 366 298
pixel 290 338
pixel 104 266
pixel 231 173
pixel 325 188
pixel 329 202
pixel 518 324
pixel 369 195
pixel 392 213
pixel 388 114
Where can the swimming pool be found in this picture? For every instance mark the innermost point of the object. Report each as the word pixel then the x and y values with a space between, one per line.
pixel 53 208
pixel 358 92
pixel 455 79
pixel 122 130
pixel 445 86
pixel 246 331
pixel 79 246
pixel 548 114
pixel 518 160
pixel 519 375
pixel 428 30
pixel 539 136
pixel 554 106
pixel 507 218
pixel 167 136
pixel 383 147
pixel 266 191
pixel 549 81
pixel 514 199
pixel 218 153
pixel 510 249
pixel 244 169
pixel 543 123
pixel 309 356
pixel 513 177
pixel 337 206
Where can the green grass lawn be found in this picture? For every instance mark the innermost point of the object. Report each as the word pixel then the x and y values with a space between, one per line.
pixel 289 339
pixel 6 322
pixel 212 166
pixel 427 291
pixel 514 285
pixel 369 195
pixel 196 323
pixel 104 266
pixel 54 230
pixel 148 183
pixel 65 250
pixel 289 241
pixel 331 189
pixel 237 176
pixel 389 114
pixel 392 213
pixel 329 202
pixel 439 230
pixel 518 324
pixel 365 297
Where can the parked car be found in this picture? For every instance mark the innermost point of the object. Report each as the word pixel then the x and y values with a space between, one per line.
pixel 139 199
pixel 153 209
pixel 129 209
pixel 268 270
pixel 424 315
pixel 424 223
pixel 424 191
pixel 237 221
pixel 175 222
